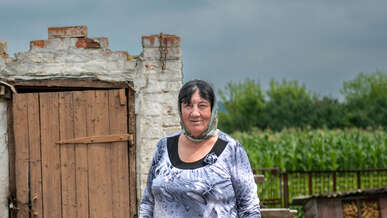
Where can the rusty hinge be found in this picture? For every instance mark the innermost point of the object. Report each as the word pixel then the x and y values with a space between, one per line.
pixel 163 50
pixel 99 139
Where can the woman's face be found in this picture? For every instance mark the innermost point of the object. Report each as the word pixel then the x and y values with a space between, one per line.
pixel 196 114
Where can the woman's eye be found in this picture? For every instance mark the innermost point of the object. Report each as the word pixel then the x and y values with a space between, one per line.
pixel 187 105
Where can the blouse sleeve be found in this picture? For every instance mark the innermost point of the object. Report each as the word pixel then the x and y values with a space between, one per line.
pixel 244 185
pixel 147 201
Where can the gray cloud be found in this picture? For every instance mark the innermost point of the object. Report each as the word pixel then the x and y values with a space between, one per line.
pixel 320 43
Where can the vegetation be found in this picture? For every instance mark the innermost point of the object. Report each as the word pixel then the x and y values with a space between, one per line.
pixel 296 149
pixel 288 104
pixel 291 128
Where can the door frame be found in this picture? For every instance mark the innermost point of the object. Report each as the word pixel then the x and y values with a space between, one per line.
pixel 58 85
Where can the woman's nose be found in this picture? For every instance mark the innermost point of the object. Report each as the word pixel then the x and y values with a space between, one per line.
pixel 195 111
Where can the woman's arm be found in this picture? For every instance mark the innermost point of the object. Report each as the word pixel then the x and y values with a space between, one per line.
pixel 244 185
pixel 147 201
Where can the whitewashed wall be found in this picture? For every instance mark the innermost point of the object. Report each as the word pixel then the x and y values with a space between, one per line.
pixel 72 57
pixel 3 160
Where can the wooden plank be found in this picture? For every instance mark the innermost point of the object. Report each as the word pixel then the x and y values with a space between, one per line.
pixel 122 97
pixel 100 190
pixel 119 154
pixel 329 208
pixel 99 139
pixel 383 206
pixel 67 153
pixel 81 159
pixel 35 155
pixel 11 157
pixel 49 120
pixel 20 127
pixel 132 154
pixel 131 112
pixel 259 179
pixel 69 83
pixel 277 212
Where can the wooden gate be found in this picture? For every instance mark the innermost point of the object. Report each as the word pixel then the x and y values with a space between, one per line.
pixel 74 154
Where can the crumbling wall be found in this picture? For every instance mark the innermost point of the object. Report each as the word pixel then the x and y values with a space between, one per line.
pixel 69 53
pixel 3 160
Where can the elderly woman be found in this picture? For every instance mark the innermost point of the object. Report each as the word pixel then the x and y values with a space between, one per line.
pixel 199 171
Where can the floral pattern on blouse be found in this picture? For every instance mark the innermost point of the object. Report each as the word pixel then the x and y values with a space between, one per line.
pixel 223 188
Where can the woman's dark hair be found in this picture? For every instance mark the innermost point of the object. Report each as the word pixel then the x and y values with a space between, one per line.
pixel 189 88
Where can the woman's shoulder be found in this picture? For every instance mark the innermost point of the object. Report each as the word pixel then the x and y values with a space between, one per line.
pixel 162 143
pixel 164 139
pixel 230 140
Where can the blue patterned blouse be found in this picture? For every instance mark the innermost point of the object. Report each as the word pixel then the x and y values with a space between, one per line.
pixel 223 187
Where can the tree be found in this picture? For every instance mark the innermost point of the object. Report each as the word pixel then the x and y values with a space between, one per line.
pixel 289 105
pixel 243 104
pixel 366 100
pixel 328 113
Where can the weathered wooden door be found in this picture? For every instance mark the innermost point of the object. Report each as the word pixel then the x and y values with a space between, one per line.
pixel 89 176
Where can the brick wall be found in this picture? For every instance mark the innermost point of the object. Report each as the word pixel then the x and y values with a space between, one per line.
pixel 68 52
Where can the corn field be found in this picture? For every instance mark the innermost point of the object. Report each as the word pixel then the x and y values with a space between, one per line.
pixel 295 149
pixel 316 150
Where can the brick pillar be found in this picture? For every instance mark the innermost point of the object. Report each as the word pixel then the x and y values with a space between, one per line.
pixel 159 80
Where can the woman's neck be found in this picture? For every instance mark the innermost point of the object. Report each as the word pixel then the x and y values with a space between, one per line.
pixel 190 151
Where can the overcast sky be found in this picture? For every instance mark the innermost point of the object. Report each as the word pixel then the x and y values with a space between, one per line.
pixel 320 43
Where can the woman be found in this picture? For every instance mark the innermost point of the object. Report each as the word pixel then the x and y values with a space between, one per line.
pixel 199 171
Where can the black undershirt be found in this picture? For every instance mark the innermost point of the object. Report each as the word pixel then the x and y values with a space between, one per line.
pixel 172 143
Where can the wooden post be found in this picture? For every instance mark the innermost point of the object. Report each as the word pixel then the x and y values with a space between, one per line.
pixel 286 190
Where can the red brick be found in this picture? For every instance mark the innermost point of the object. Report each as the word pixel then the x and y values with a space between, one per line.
pixel 37 44
pixel 153 41
pixel 3 49
pixel 103 41
pixel 67 32
pixel 87 43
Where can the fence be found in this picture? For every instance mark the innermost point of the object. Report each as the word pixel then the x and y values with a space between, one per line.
pixel 279 188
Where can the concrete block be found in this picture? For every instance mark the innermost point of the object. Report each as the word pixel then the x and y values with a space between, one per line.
pixel 170 121
pixel 54 43
pixel 67 43
pixel 153 41
pixel 159 86
pixel 171 73
pixel 154 53
pixel 171 130
pixel 67 32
